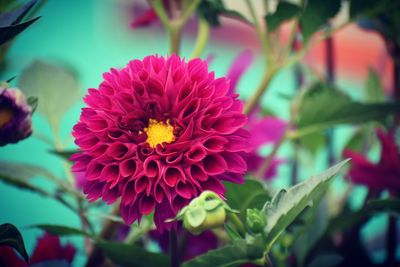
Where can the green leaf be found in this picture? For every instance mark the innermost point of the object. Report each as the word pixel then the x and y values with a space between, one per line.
pixel 321 107
pixel 284 11
pixel 132 255
pixel 61 230
pixel 348 219
pixel 313 142
pixel 313 229
pixel 370 7
pixel 56 88
pixel 210 11
pixel 374 89
pixel 316 14
pixel 231 255
pixel 326 260
pixel 233 14
pixel 9 32
pixel 65 154
pixel 10 236
pixel 250 194
pixel 285 206
pixel 33 102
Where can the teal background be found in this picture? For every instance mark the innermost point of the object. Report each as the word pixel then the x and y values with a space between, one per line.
pixel 90 37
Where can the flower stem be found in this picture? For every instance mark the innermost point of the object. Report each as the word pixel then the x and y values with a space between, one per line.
pixel 173 248
pixel 237 222
pixel 202 37
pixel 268 160
pixel 263 86
pixel 174 39
pixel 330 75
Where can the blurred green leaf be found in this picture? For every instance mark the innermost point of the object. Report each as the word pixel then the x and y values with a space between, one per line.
pixel 374 88
pixel 236 15
pixel 56 88
pixel 33 102
pixel 16 15
pixel 238 253
pixel 250 194
pixel 348 219
pixel 210 11
pixel 315 225
pixel 370 7
pixel 321 107
pixel 65 154
pixel 9 32
pixel 316 14
pixel 286 205
pixel 361 139
pixel 313 142
pixel 132 255
pixel 284 11
pixel 61 230
pixel 10 236
pixel 326 260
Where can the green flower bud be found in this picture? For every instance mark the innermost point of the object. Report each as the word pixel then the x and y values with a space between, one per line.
pixel 207 211
pixel 255 220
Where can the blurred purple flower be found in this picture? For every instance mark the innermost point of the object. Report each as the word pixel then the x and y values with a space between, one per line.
pixel 377 176
pixel 195 245
pixel 79 179
pixel 15 116
pixel 263 130
pixel 48 249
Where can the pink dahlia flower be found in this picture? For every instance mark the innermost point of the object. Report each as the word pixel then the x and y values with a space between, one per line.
pixel 156 134
pixel 382 175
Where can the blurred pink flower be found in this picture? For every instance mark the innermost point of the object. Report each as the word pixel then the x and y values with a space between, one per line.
pixel 378 176
pixel 147 17
pixel 48 249
pixel 263 130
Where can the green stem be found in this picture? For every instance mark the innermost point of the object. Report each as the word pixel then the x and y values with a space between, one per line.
pixel 261 34
pixel 237 222
pixel 202 38
pixel 268 160
pixel 263 86
pixel 173 247
pixel 174 39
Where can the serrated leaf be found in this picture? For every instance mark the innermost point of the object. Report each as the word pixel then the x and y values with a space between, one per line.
pixel 10 236
pixel 284 11
pixel 9 32
pixel 61 230
pixel 316 14
pixel 232 255
pixel 321 107
pixel 285 206
pixel 132 255
pixel 250 194
pixel 56 88
pixel 374 89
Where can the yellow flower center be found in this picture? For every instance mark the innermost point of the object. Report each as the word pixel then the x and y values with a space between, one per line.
pixel 159 132
pixel 6 114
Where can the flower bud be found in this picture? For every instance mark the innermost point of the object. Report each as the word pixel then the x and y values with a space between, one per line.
pixel 15 116
pixel 255 220
pixel 207 211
